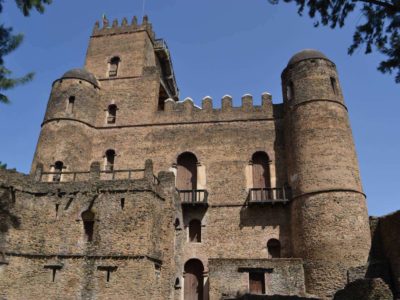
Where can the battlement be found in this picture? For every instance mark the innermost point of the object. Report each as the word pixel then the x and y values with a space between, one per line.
pixel 123 28
pixel 247 110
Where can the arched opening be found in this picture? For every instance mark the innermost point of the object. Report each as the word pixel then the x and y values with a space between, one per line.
pixel 70 104
pixel 88 224
pixel 290 91
pixel 195 231
pixel 261 176
pixel 193 286
pixel 334 85
pixel 114 64
pixel 274 248
pixel 111 114
pixel 186 177
pixel 58 168
pixel 110 159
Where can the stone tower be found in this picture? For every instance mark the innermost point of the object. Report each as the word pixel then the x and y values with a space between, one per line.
pixel 329 216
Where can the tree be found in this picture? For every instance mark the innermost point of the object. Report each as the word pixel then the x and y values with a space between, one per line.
pixel 9 42
pixel 380 29
pixel 3 166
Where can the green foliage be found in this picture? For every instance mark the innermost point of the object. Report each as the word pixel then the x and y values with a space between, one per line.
pixel 3 166
pixel 9 42
pixel 380 29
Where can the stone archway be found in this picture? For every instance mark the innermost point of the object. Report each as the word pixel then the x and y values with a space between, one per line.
pixel 193 280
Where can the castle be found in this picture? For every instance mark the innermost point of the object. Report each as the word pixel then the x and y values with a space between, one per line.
pixel 134 194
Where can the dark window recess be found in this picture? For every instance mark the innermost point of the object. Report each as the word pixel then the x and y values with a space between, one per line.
pixel 114 65
pixel 195 231
pixel 256 283
pixel 274 248
pixel 334 85
pixel 88 224
pixel 70 104
pixel 177 224
pixel 108 270
pixel 290 91
pixel 57 207
pixel 110 159
pixel 54 269
pixel 162 96
pixel 177 283
pixel 111 114
pixel 58 168
pixel 122 203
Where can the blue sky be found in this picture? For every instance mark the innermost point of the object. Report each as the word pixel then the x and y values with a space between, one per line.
pixel 218 47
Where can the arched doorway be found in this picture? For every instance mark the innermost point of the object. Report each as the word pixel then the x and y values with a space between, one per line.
pixel 193 287
pixel 261 177
pixel 186 177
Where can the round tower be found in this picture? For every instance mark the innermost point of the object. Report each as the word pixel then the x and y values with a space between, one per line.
pixel 67 127
pixel 329 219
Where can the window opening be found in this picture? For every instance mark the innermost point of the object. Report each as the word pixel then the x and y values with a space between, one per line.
pixel 70 104
pixel 290 91
pixel 57 207
pixel 186 179
pixel 114 64
pixel 334 85
pixel 58 167
pixel 111 114
pixel 88 224
pixel 261 177
pixel 110 159
pixel 108 270
pixel 274 248
pixel 122 203
pixel 195 231
pixel 162 96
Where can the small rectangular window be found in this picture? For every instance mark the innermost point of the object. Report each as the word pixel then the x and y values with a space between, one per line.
pixel 70 104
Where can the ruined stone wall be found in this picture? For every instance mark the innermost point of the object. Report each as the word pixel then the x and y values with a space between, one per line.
pixel 229 278
pixel 386 246
pixel 132 239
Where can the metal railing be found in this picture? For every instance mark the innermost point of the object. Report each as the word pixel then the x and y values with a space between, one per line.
pixel 268 195
pixel 193 196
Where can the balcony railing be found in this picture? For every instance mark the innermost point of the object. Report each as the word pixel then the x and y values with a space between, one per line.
pixel 193 197
pixel 268 195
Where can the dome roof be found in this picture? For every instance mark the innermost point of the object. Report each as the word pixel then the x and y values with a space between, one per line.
pixel 306 54
pixel 81 74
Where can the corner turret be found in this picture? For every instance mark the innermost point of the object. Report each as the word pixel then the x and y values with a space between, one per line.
pixel 323 173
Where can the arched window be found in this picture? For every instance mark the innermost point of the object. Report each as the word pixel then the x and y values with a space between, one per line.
pixel 114 64
pixel 261 174
pixel 110 159
pixel 58 168
pixel 195 231
pixel 70 104
pixel 193 280
pixel 88 224
pixel 186 178
pixel 290 91
pixel 334 85
pixel 111 114
pixel 274 248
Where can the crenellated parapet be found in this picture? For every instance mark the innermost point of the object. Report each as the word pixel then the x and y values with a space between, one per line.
pixel 186 109
pixel 107 28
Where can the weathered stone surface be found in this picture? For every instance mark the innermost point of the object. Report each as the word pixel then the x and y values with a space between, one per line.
pixel 366 289
pixel 141 237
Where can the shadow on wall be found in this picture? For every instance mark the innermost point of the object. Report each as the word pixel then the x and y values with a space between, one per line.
pixel 252 216
pixel 7 218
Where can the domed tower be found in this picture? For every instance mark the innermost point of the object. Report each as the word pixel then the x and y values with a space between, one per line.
pixel 66 133
pixel 328 214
